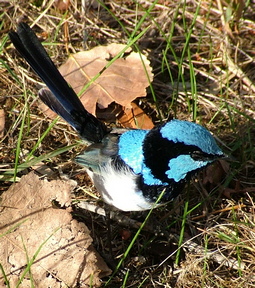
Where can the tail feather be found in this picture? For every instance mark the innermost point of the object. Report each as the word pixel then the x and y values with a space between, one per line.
pixel 63 100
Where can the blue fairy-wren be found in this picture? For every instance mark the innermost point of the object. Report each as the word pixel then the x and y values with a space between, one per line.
pixel 129 168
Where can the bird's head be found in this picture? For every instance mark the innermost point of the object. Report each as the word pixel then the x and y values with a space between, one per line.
pixel 178 149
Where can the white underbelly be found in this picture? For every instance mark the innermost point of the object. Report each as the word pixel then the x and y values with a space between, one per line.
pixel 119 189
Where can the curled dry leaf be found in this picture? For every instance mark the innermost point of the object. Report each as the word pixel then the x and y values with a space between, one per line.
pixel 135 118
pixel 122 82
pixel 28 220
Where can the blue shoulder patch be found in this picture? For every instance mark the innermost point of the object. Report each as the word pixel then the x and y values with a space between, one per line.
pixel 190 134
pixel 131 152
pixel 131 148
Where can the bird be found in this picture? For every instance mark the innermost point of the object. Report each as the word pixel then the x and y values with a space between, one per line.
pixel 132 169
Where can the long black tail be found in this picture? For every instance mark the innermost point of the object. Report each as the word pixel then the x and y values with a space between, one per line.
pixel 63 99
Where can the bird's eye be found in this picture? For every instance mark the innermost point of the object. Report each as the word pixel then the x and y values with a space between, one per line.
pixel 201 156
pixel 198 156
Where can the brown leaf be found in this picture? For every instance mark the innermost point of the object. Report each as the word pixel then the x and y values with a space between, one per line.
pixel 215 173
pixel 27 220
pixel 121 82
pixel 135 118
pixel 62 5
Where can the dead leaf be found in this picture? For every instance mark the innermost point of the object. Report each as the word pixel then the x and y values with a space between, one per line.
pixel 215 173
pixel 109 114
pixel 62 5
pixel 135 118
pixel 122 82
pixel 27 220
pixel 43 169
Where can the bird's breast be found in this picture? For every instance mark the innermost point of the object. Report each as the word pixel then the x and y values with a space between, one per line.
pixel 119 187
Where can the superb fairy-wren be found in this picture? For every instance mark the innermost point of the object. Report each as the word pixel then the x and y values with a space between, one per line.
pixel 130 168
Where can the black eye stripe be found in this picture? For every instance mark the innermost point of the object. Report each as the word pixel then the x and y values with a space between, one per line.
pixel 201 156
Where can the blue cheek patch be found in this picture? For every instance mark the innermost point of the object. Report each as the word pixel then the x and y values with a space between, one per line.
pixel 131 152
pixel 190 134
pixel 180 166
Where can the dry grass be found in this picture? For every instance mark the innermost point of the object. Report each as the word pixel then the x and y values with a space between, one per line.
pixel 203 61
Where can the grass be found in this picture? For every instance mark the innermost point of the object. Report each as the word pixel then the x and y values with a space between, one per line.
pixel 202 58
